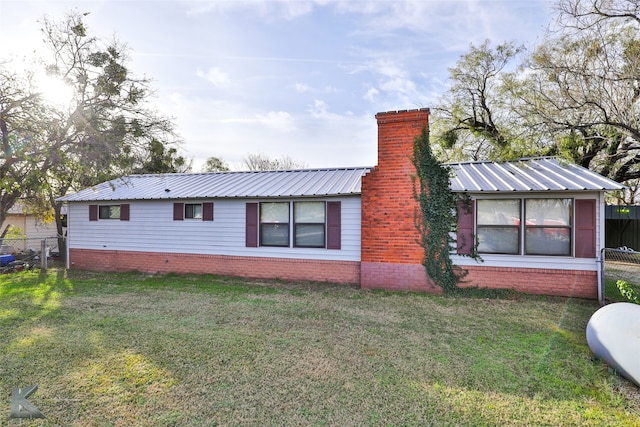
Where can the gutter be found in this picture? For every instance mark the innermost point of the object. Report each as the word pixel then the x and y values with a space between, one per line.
pixel 600 270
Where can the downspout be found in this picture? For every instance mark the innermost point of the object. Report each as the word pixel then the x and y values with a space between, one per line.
pixel 66 238
pixel 601 243
pixel 600 269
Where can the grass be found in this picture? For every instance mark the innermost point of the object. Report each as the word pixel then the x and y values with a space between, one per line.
pixel 131 349
pixel 612 290
pixel 621 267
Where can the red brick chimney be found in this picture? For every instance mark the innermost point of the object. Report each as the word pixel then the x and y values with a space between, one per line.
pixel 391 257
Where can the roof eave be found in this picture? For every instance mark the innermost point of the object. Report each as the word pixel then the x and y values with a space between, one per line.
pixel 196 197
pixel 568 190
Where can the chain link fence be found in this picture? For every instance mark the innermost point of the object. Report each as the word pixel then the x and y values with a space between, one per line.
pixel 22 248
pixel 620 275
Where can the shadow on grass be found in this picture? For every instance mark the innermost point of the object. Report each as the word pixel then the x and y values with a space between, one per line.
pixel 30 295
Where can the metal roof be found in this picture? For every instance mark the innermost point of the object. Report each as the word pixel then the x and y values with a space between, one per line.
pixel 527 175
pixel 262 184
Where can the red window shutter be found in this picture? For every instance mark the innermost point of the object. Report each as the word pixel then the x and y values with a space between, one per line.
pixel 251 229
pixel 178 211
pixel 586 228
pixel 465 238
pixel 334 225
pixel 124 212
pixel 207 211
pixel 93 212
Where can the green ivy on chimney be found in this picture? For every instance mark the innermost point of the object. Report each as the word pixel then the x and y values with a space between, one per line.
pixel 438 216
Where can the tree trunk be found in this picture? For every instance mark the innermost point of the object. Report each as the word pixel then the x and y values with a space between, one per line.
pixel 62 238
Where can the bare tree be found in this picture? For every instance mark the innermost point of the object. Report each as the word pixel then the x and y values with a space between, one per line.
pixel 262 162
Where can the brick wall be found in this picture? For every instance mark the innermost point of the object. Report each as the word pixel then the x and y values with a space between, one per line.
pixel 396 277
pixel 391 256
pixel 347 272
pixel 566 283
pixel 389 209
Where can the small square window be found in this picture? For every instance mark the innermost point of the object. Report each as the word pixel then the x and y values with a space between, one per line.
pixel 193 211
pixel 109 212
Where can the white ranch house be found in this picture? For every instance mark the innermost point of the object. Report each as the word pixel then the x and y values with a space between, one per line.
pixel 538 223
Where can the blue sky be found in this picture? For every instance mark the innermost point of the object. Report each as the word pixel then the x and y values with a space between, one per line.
pixel 297 78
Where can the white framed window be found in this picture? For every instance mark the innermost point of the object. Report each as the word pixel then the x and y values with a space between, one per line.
pixel 498 226
pixel 546 230
pixel 109 212
pixel 309 224
pixel 298 224
pixel 274 224
pixel 193 211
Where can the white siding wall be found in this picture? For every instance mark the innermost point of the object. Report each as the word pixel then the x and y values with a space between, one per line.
pixel 543 262
pixel 151 228
pixel 34 231
pixel 37 230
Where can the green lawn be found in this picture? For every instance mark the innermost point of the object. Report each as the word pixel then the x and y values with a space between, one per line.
pixel 133 349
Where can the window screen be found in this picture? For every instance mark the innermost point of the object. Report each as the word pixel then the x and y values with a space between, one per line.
pixel 309 224
pixel 274 224
pixel 498 226
pixel 548 226
pixel 109 212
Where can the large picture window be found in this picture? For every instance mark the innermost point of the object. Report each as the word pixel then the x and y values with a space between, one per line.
pixel 498 226
pixel 546 230
pixel 548 226
pixel 313 224
pixel 274 224
pixel 309 224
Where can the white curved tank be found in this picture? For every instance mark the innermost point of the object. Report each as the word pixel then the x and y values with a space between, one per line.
pixel 613 335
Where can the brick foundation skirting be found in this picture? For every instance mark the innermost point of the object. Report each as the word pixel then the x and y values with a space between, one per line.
pixel 347 272
pixel 396 277
pixel 565 283
pixel 412 277
pixel 370 275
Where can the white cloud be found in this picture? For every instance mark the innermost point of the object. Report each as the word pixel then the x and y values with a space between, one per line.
pixel 399 85
pixel 278 79
pixel 302 88
pixel 371 94
pixel 277 120
pixel 316 137
pixel 391 80
pixel 305 88
pixel 214 75
pixel 286 9
pixel 295 8
pixel 319 108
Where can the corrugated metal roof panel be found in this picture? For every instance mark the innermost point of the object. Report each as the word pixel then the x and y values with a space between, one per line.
pixel 291 183
pixel 542 174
